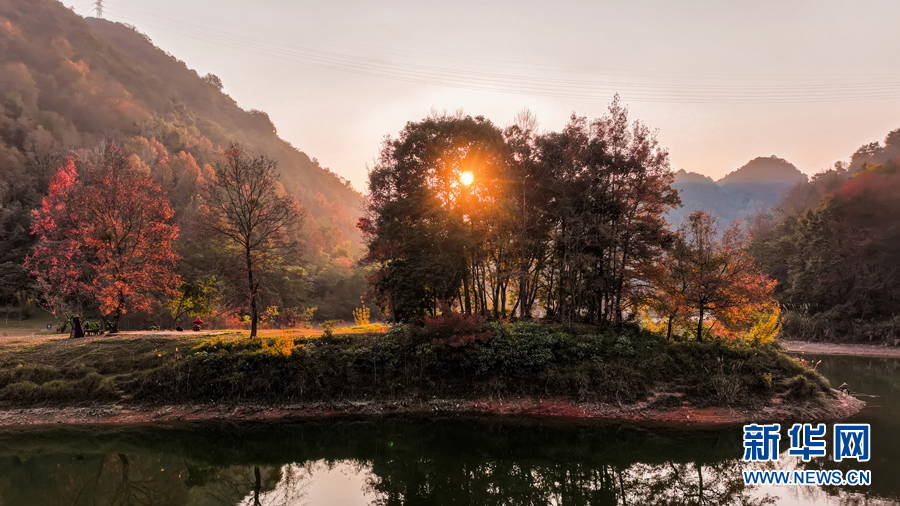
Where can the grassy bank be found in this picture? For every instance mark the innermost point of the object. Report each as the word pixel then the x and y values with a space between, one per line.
pixel 441 361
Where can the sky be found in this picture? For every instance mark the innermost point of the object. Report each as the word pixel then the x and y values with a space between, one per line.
pixel 723 82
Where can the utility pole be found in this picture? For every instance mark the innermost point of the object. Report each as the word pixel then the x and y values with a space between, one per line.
pixel 98 8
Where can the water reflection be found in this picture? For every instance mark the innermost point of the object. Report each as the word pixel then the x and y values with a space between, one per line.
pixel 452 461
pixel 413 461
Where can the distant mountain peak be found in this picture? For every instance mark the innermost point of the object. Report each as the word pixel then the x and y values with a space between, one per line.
pixel 755 187
pixel 684 177
pixel 767 170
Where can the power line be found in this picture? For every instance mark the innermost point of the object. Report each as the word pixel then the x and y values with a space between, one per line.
pixel 98 8
pixel 820 90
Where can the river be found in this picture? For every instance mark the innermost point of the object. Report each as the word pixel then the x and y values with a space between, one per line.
pixel 435 461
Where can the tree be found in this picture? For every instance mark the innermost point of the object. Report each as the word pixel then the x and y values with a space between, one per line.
pixel 432 237
pixel 720 278
pixel 105 239
pixel 196 299
pixel 668 280
pixel 465 216
pixel 245 204
pixel 608 184
pixel 833 247
pixel 213 80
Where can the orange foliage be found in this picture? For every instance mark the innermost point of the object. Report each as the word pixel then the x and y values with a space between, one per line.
pixel 104 239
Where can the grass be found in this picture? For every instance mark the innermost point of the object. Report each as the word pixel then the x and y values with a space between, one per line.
pixel 365 363
pixel 15 328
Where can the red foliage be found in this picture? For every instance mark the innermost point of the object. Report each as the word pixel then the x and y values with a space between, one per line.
pixel 456 330
pixel 104 238
pixel 463 340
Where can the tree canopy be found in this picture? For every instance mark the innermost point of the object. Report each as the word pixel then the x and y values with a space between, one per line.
pixel 833 248
pixel 464 215
pixel 105 238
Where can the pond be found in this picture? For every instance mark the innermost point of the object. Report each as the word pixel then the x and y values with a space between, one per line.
pixel 435 461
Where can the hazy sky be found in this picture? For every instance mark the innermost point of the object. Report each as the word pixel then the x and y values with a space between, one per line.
pixel 722 81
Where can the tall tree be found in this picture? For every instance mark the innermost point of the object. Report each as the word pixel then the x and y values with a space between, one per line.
pixel 610 184
pixel 246 205
pixel 437 211
pixel 105 238
pixel 720 278
pixel 463 215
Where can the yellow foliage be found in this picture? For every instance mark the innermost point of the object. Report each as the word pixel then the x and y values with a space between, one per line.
pixel 281 345
pixel 766 328
pixel 650 323
pixel 361 314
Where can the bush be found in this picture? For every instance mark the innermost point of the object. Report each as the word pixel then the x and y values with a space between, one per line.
pixel 801 387
pixel 361 314
pixel 454 330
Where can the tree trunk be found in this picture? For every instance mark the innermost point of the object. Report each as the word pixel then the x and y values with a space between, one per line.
pixel 700 325
pixel 254 313
pixel 257 486
pixel 77 330
pixel 467 302
pixel 114 325
pixel 669 328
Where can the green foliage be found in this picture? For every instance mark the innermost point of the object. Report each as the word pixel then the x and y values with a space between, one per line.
pixel 562 221
pixel 195 299
pixel 802 387
pixel 306 316
pixel 92 326
pixel 834 250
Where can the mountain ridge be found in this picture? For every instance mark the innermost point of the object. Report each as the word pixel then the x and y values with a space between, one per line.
pixel 86 80
pixel 755 187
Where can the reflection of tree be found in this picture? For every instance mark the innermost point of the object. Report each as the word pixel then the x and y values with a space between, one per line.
pixel 244 485
pixel 129 490
pixel 513 483
pixel 688 483
pixel 398 462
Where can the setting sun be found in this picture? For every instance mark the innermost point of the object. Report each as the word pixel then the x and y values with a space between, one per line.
pixel 466 178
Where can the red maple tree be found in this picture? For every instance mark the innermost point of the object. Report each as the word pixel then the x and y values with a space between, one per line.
pixel 105 239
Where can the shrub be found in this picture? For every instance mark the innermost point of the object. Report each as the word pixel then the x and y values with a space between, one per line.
pixel 361 314
pixel 800 387
pixel 328 328
pixel 23 391
pixel 454 330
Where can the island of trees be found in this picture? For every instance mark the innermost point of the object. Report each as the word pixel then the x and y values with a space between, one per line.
pixel 465 217
pixel 509 265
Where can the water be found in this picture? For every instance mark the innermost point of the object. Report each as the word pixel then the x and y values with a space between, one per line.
pixel 436 461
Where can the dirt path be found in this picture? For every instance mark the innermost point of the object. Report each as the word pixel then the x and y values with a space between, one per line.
pixel 860 350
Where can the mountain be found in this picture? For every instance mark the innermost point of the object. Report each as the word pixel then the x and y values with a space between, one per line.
pixel 757 186
pixel 68 84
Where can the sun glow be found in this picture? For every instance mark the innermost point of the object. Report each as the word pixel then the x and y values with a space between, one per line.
pixel 466 178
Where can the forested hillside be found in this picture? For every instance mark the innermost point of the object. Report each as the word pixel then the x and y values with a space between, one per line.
pixel 833 246
pixel 753 188
pixel 67 85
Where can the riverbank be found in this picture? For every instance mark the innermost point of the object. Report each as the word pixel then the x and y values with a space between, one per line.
pixel 641 413
pixel 457 367
pixel 859 350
